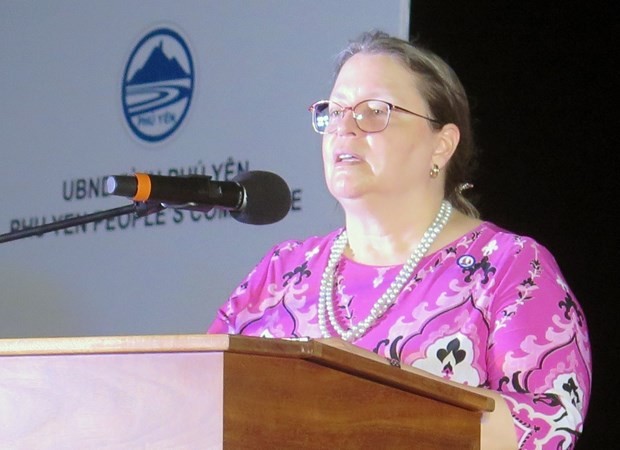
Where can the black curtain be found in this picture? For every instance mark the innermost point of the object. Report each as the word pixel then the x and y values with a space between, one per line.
pixel 539 77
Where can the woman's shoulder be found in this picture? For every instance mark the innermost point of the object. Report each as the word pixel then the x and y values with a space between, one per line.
pixel 512 248
pixel 473 234
pixel 464 227
pixel 308 245
pixel 490 232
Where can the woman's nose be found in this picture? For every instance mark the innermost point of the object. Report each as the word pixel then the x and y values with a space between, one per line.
pixel 347 123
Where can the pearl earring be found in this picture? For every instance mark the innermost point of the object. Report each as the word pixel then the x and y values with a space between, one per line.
pixel 435 171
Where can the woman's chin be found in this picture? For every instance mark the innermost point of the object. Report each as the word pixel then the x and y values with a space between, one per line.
pixel 346 190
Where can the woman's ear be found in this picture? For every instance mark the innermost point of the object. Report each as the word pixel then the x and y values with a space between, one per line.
pixel 447 139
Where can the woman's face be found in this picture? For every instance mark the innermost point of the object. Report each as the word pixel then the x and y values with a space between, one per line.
pixel 392 164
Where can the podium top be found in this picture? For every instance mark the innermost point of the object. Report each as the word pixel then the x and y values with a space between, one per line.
pixel 333 353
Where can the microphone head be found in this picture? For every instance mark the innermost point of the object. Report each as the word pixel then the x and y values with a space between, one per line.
pixel 267 198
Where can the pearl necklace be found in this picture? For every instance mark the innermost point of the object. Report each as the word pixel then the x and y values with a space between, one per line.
pixel 326 301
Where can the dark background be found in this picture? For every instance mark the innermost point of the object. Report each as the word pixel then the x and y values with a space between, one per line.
pixel 538 75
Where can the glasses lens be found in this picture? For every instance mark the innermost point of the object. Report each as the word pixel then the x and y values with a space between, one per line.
pixel 372 115
pixel 320 116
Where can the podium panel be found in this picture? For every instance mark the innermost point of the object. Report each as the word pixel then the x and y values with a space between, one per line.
pixel 213 392
pixel 169 400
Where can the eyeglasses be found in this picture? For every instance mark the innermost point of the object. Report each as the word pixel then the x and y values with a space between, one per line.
pixel 371 116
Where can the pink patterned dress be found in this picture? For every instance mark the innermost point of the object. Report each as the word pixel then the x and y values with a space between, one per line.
pixel 490 309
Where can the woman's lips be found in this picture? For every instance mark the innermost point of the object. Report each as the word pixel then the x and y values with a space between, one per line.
pixel 346 157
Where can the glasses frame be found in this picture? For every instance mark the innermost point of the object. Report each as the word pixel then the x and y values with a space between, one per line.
pixel 391 107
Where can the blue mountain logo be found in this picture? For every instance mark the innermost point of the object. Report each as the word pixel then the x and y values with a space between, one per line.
pixel 157 85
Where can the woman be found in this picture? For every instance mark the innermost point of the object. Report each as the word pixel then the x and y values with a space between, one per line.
pixel 414 274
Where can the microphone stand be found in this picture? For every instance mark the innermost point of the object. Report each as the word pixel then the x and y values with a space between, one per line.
pixel 141 209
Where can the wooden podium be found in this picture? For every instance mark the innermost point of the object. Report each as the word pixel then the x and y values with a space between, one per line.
pixel 219 391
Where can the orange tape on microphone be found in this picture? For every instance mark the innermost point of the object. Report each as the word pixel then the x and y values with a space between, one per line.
pixel 143 191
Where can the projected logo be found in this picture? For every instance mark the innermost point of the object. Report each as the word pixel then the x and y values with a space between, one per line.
pixel 157 85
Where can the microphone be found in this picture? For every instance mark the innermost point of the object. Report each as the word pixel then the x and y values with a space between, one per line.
pixel 254 197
